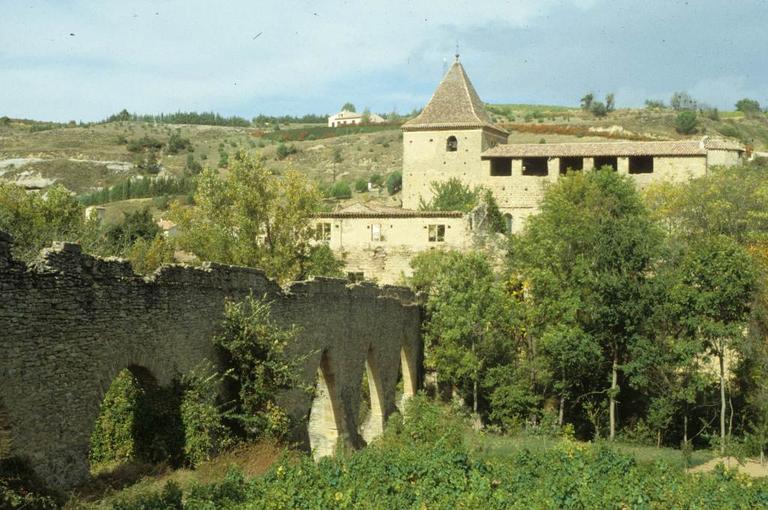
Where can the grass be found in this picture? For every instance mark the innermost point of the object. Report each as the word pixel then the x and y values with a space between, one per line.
pixel 489 446
pixel 131 479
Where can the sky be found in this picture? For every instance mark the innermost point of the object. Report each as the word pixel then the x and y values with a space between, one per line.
pixel 83 60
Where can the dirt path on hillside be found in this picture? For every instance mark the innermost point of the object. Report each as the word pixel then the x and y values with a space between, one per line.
pixel 750 467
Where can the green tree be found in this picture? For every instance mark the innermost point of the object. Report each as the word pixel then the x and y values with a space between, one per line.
pixel 713 296
pixel 599 109
pixel 251 217
pixel 467 314
pixel 341 190
pixel 348 107
pixel 35 221
pixel 587 100
pixel 361 185
pixel 686 122
pixel 748 106
pixel 450 195
pixel 394 182
pixel 591 248
pixel 610 102
pixel 256 349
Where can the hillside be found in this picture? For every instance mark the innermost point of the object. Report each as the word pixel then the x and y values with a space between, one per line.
pixel 88 157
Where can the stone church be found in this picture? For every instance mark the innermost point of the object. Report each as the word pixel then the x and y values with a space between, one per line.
pixel 454 137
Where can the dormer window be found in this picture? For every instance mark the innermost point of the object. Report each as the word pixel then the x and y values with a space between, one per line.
pixel 452 144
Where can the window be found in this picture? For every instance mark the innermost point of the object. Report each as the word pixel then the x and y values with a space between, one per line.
pixel 574 164
pixel 501 167
pixel 452 144
pixel 535 166
pixel 436 233
pixel 355 276
pixel 376 234
pixel 508 222
pixel 602 161
pixel 641 164
pixel 323 232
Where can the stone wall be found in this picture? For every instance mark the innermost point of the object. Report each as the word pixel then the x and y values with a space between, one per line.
pixel 70 322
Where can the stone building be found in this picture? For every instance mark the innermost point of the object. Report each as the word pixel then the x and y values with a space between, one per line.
pixel 454 137
pixel 377 243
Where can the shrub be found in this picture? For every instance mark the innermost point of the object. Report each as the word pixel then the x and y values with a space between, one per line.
pixel 748 106
pixel 377 180
pixel 361 185
pixel 341 190
pixel 686 122
pixel 177 144
pixel 144 143
pixel 255 347
pixel 283 151
pixel 394 182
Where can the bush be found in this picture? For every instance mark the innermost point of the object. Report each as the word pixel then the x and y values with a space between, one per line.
pixel 394 182
pixel 255 347
pixel 377 180
pixel 341 190
pixel 144 143
pixel 177 144
pixel 361 185
pixel 686 122
pixel 748 106
pixel 283 151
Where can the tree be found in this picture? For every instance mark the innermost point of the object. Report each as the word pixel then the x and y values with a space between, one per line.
pixel 748 106
pixel 394 182
pixel 654 104
pixel 587 100
pixel 361 185
pixel 682 101
pixel 587 257
pixel 712 297
pixel 251 217
pixel 599 109
pixel 450 195
pixel 256 348
pixel 348 107
pixel 35 220
pixel 341 190
pixel 610 102
pixel 686 122
pixel 464 332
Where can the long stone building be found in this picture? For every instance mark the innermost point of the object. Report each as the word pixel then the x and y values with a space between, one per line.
pixel 454 137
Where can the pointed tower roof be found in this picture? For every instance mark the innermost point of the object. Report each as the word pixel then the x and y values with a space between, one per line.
pixel 455 104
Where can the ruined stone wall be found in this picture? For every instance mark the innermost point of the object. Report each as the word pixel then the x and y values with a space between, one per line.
pixel 70 322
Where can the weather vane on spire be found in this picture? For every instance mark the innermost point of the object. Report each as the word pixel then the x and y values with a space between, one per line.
pixel 457 51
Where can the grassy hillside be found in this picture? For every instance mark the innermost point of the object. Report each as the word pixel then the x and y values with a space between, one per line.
pixel 88 157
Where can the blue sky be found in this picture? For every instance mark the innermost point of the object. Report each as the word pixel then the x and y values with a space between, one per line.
pixel 312 56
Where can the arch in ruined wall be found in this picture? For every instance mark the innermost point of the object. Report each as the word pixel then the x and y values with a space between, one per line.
pixel 144 435
pixel 408 369
pixel 373 426
pixel 324 424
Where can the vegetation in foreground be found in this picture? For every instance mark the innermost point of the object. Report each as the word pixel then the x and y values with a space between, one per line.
pixel 423 461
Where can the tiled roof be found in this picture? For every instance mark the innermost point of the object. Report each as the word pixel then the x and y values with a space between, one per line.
pixel 370 211
pixel 723 145
pixel 676 148
pixel 455 104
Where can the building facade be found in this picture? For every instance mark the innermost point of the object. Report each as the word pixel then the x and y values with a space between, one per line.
pixel 454 137
pixel 345 118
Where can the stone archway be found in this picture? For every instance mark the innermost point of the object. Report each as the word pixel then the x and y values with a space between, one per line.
pixel 373 426
pixel 324 416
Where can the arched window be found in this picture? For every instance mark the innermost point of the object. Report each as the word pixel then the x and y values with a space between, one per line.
pixel 452 144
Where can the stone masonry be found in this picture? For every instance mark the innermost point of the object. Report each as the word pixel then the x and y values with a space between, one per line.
pixel 69 322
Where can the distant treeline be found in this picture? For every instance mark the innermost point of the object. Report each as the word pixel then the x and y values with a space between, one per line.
pixel 204 118
pixel 310 118
pixel 146 187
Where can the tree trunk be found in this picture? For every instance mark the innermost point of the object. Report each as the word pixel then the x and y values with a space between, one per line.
pixel 721 356
pixel 612 397
pixel 658 439
pixel 685 429
pixel 561 414
pixel 474 395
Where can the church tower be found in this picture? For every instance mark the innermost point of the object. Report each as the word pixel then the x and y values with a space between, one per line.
pixel 446 139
